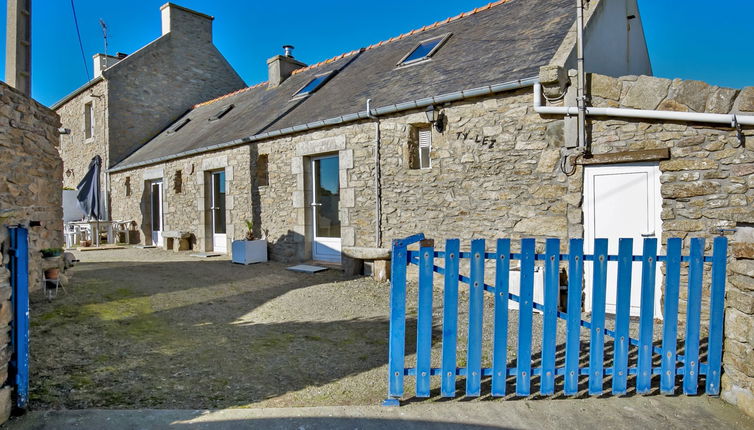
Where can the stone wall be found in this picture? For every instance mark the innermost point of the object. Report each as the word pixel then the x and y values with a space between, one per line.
pixel 707 187
pixel 30 191
pixel 75 148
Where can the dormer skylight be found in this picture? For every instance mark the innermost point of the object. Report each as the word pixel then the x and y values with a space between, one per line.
pixel 179 125
pixel 314 84
pixel 221 113
pixel 424 50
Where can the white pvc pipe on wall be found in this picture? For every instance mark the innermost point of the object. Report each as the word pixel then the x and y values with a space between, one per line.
pixel 715 118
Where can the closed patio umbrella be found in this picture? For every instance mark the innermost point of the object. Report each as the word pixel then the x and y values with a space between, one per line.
pixel 88 195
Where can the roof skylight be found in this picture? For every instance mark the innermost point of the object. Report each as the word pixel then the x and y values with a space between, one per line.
pixel 424 50
pixel 221 113
pixel 314 84
pixel 179 125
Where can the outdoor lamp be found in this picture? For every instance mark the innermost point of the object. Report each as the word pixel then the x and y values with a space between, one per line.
pixel 435 118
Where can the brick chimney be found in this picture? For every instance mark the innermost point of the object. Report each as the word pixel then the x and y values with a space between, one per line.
pixel 184 22
pixel 18 46
pixel 280 67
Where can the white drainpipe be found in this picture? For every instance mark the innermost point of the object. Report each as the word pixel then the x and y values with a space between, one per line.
pixel 715 118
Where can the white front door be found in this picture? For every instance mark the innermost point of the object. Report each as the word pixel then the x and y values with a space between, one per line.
pixel 326 209
pixel 622 201
pixel 217 211
pixel 155 198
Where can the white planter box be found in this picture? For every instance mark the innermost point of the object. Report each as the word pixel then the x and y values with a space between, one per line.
pixel 249 251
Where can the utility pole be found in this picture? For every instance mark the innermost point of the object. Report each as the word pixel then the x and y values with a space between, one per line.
pixel 18 46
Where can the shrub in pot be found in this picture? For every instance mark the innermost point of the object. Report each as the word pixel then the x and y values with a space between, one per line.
pixel 250 250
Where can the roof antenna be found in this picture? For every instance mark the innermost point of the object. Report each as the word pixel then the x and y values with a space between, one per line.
pixel 104 32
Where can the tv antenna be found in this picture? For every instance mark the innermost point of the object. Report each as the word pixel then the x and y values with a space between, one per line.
pixel 104 32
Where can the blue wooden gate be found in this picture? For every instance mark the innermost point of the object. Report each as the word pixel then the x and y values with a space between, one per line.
pixel 671 362
pixel 19 277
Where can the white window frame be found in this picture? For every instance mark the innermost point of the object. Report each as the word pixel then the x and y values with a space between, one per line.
pixel 443 38
pixel 427 143
pixel 89 120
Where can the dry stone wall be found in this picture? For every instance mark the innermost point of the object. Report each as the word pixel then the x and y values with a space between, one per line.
pixel 30 191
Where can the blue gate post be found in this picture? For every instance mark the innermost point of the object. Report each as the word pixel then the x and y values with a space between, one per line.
pixel 397 335
pixel 19 267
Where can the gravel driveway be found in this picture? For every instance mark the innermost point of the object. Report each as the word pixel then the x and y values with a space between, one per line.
pixel 147 328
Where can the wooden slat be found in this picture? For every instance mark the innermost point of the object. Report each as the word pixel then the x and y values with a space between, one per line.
pixel 397 340
pixel 622 316
pixel 646 315
pixel 525 306
pixel 670 316
pixel 552 275
pixel 573 324
pixel 597 341
pixel 693 309
pixel 476 308
pixel 424 318
pixel 450 318
pixel 717 310
pixel 500 340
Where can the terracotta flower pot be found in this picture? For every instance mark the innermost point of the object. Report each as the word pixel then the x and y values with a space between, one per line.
pixel 52 273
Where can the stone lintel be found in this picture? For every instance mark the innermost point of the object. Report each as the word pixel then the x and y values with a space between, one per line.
pixel 627 157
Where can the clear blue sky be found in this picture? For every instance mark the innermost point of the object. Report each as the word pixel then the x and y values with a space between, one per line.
pixel 691 39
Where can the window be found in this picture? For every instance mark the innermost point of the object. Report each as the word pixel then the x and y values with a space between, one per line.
pixel 178 182
pixel 263 175
pixel 221 113
pixel 424 50
pixel 419 148
pixel 128 186
pixel 425 147
pixel 88 120
pixel 314 84
pixel 179 125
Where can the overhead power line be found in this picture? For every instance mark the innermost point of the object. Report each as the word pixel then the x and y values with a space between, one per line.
pixel 81 45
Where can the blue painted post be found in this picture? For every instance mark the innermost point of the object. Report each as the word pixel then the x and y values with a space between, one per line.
pixel 450 318
pixel 525 306
pixel 717 310
pixel 20 324
pixel 397 339
pixel 476 307
pixel 424 317
pixel 573 323
pixel 646 315
pixel 500 340
pixel 622 316
pixel 597 341
pixel 670 320
pixel 693 309
pixel 552 290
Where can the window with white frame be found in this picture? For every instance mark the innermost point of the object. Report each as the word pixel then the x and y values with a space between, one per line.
pixel 425 147
pixel 88 120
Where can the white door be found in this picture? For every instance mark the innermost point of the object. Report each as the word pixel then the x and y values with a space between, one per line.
pixel 217 210
pixel 326 209
pixel 155 191
pixel 622 201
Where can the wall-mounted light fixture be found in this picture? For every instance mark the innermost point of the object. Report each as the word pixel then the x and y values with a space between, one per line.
pixel 435 118
pixel 63 130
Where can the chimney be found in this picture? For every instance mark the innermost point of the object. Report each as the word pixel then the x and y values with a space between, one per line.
pixel 280 67
pixel 183 22
pixel 102 62
pixel 18 46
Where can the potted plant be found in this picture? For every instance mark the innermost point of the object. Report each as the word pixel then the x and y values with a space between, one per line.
pixel 249 250
pixel 51 252
pixel 52 273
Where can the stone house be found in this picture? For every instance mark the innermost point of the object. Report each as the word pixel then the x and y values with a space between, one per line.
pixel 133 97
pixel 448 130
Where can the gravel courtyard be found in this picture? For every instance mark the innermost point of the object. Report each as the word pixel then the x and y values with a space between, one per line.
pixel 146 328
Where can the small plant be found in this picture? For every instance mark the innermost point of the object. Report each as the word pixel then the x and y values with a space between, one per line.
pixel 249 229
pixel 51 252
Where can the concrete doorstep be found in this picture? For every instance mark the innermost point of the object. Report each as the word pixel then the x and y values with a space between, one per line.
pixel 637 412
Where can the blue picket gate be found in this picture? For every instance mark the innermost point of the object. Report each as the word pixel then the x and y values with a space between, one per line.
pixel 18 265
pixel 672 364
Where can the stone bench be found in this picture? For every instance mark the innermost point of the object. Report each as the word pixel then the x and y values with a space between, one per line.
pixel 353 258
pixel 177 240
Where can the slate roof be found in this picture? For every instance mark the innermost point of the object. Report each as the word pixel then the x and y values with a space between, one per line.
pixel 503 41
